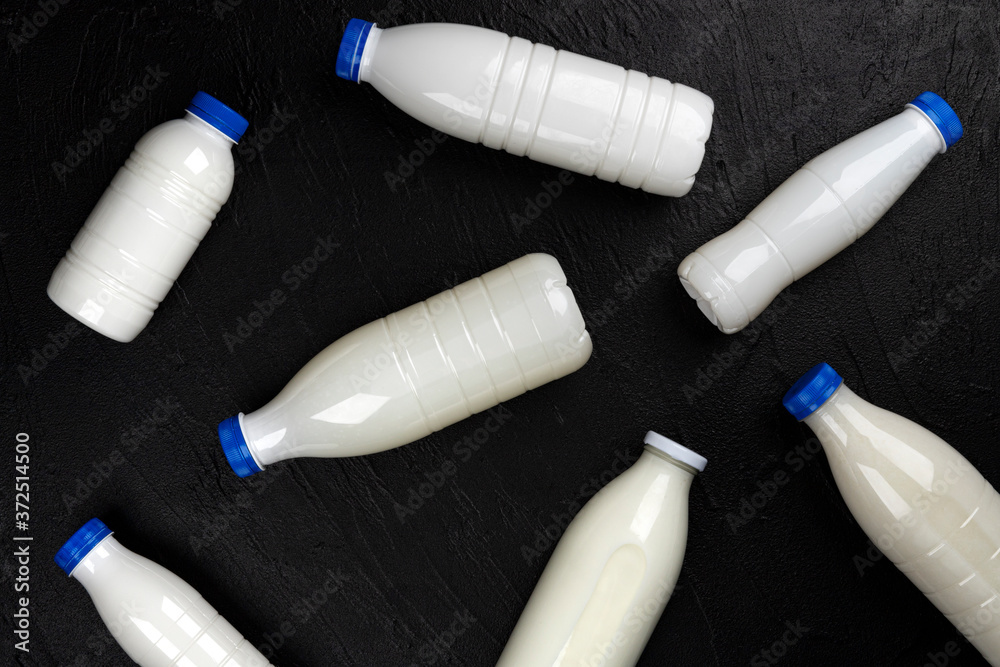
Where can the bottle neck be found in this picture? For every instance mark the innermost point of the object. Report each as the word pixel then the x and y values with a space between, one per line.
pixel 369 53
pixel 654 482
pixel 208 130
pixel 102 562
pixel 910 108
pixel 665 462
pixel 835 419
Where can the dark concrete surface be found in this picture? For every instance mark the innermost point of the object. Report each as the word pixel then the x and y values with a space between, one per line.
pixel 901 314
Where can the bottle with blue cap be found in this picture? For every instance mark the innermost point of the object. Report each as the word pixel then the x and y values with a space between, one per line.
pixel 820 210
pixel 420 369
pixel 608 581
pixel 556 107
pixel 149 221
pixel 918 499
pixel 156 617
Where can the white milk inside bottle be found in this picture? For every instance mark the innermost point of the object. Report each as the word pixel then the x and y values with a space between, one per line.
pixel 820 210
pixel 919 500
pixel 609 578
pixel 149 221
pixel 556 107
pixel 159 619
pixel 402 377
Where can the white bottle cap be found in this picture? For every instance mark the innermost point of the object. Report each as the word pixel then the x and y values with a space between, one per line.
pixel 676 451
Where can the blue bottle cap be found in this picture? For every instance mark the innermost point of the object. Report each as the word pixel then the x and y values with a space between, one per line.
pixel 942 115
pixel 218 115
pixel 81 544
pixel 811 391
pixel 351 48
pixel 235 447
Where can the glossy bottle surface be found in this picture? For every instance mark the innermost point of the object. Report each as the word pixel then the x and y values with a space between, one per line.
pixel 156 617
pixel 555 107
pixel 145 227
pixel 612 573
pixel 923 505
pixel 402 377
pixel 820 210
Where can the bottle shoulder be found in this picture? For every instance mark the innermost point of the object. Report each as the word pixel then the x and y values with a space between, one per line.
pixel 645 505
pixel 851 422
pixel 879 148
pixel 181 145
pixel 889 468
pixel 442 38
pixel 141 571
pixel 141 602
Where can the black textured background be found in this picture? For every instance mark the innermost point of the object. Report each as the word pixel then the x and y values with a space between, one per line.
pixel 901 315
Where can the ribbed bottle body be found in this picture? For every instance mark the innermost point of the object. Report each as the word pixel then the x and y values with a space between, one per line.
pixel 556 107
pixel 427 366
pixel 145 227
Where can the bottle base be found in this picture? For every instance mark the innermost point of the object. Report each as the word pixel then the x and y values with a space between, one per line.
pixel 715 295
pixel 681 150
pixel 95 304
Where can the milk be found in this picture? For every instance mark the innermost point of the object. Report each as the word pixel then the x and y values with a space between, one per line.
pixel 609 578
pixel 920 501
pixel 556 107
pixel 820 210
pixel 149 221
pixel 402 377
pixel 154 615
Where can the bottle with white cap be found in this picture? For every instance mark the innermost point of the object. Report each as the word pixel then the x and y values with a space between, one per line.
pixel 149 221
pixel 820 210
pixel 609 578
pixel 400 378
pixel 920 501
pixel 556 107
pixel 158 618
